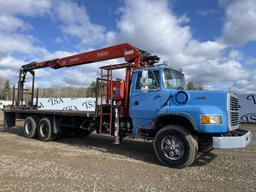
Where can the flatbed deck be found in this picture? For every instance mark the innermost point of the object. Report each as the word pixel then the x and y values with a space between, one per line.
pixel 57 117
pixel 52 112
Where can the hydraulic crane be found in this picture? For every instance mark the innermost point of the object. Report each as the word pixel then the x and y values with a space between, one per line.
pixel 134 58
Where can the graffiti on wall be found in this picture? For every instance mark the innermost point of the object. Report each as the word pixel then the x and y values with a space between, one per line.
pixel 247 109
pixel 67 104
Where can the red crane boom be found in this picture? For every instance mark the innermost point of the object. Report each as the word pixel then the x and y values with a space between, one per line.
pixel 133 57
pixel 130 54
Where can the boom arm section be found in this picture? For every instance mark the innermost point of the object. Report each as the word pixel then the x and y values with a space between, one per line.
pixel 130 54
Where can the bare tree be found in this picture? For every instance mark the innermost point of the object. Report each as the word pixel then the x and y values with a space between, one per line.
pixel 2 82
pixel 71 92
pixel 191 86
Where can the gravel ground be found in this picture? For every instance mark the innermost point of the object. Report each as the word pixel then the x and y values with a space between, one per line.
pixel 93 163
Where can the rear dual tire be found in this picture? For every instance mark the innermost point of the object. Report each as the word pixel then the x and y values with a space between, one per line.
pixel 45 130
pixel 30 128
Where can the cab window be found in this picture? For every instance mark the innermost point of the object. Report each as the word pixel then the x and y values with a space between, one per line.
pixel 153 80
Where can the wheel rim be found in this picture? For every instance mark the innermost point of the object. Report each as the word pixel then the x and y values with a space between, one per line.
pixel 28 128
pixel 44 129
pixel 172 147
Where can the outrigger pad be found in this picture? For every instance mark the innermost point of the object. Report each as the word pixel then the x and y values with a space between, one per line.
pixel 9 120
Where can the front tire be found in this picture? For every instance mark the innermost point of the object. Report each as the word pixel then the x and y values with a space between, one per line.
pixel 45 130
pixel 175 146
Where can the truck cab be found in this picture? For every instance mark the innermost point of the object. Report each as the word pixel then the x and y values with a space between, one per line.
pixel 182 122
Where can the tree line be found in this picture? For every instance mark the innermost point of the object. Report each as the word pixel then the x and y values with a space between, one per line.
pixel 70 92
pixel 192 86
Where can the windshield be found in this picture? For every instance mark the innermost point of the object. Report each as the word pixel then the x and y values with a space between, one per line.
pixel 173 79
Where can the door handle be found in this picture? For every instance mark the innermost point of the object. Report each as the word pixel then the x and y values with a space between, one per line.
pixel 136 102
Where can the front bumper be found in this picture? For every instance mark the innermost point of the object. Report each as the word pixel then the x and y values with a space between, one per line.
pixel 236 139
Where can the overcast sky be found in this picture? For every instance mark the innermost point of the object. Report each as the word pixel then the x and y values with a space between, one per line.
pixel 213 41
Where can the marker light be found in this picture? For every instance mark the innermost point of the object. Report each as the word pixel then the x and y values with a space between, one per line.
pixel 211 119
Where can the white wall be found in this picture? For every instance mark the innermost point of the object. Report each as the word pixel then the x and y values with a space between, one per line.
pixel 69 104
pixel 247 109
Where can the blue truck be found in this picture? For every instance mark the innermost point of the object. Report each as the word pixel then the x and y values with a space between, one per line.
pixel 151 102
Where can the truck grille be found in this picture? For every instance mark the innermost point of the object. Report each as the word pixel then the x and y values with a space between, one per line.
pixel 233 112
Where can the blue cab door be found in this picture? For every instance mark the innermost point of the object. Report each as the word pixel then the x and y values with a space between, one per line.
pixel 144 105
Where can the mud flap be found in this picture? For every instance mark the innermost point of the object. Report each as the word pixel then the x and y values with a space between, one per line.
pixel 9 120
pixel 56 126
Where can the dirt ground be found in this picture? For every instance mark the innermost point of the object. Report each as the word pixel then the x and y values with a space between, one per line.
pixel 93 163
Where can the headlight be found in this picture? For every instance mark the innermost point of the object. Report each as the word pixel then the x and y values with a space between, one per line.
pixel 211 119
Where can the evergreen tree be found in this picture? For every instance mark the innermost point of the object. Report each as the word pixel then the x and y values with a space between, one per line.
pixel 6 91
pixel 191 86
